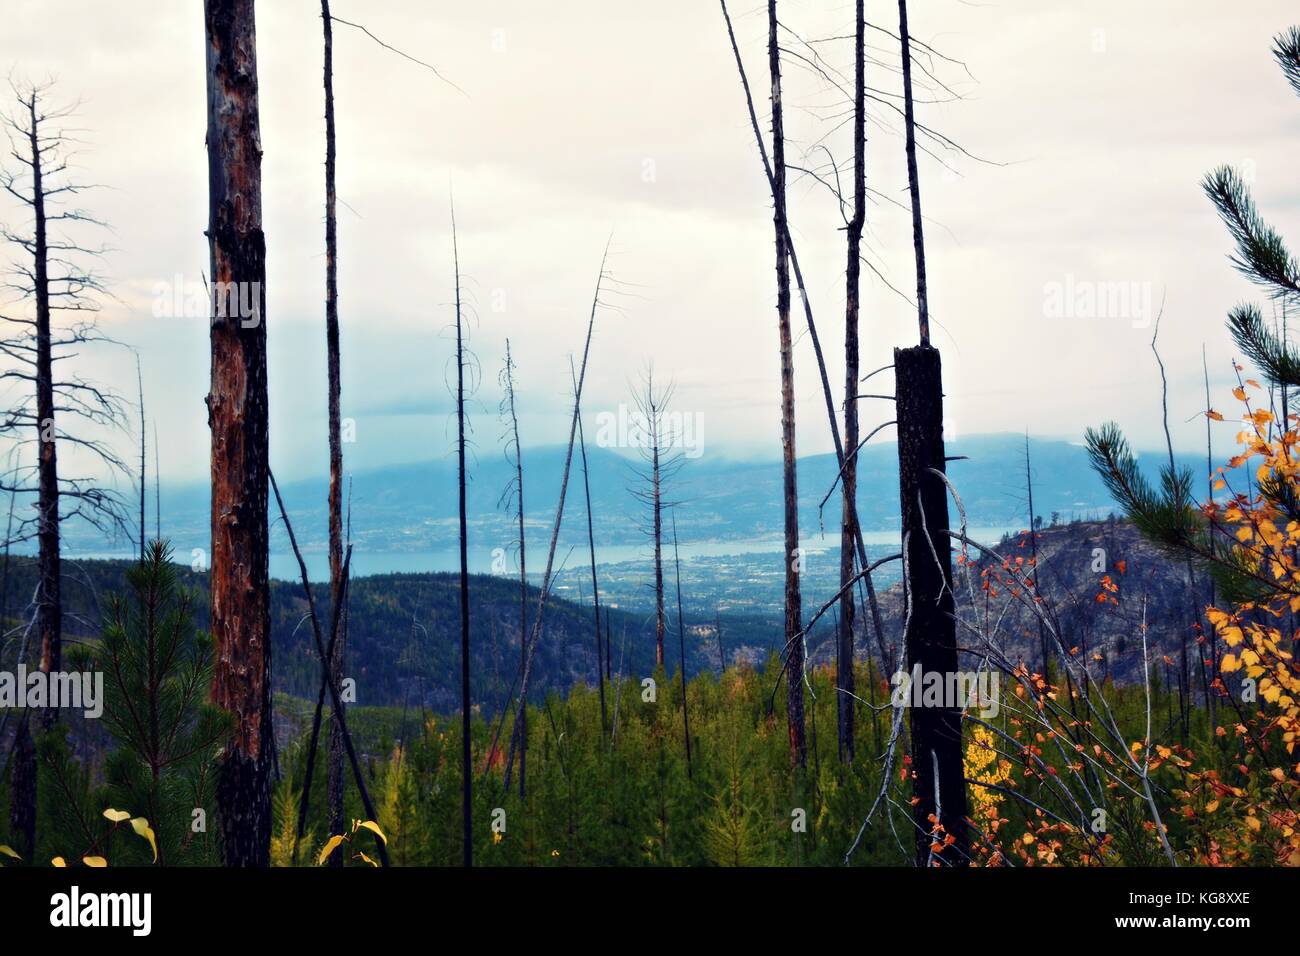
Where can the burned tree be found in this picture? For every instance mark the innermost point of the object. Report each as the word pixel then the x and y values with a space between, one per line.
pixel 681 643
pixel 51 280
pixel 849 476
pixel 794 650
pixel 467 775
pixel 939 786
pixel 595 581
pixel 516 489
pixel 547 577
pixel 335 779
pixel 237 417
pixel 656 441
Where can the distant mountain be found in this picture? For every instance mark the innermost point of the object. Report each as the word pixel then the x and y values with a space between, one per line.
pixel 404 646
pixel 412 508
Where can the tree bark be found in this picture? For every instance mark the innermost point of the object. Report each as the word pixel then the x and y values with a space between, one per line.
pixel 793 601
pixel 849 481
pixel 913 177
pixel 237 416
pixel 466 715
pixel 656 491
pixel 595 583
pixel 49 603
pixel 681 647
pixel 1043 651
pixel 930 635
pixel 139 378
pixel 523 566
pixel 49 608
pixel 336 780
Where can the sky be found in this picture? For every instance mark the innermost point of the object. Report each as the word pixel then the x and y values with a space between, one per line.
pixel 1084 130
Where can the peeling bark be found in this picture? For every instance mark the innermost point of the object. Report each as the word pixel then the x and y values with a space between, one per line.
pixel 793 600
pixel 237 417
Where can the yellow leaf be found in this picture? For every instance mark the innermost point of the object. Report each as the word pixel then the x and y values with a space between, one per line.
pixel 8 851
pixel 117 816
pixel 141 827
pixel 367 859
pixel 1212 806
pixel 58 862
pixel 330 846
pixel 95 861
pixel 1278 774
pixel 373 827
pixel 1229 663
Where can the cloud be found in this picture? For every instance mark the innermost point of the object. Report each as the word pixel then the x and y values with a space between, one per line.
pixel 1098 119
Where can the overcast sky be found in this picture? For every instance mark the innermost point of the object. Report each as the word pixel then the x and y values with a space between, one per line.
pixel 1091 125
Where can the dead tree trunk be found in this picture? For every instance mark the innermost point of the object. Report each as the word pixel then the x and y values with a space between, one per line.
pixel 536 631
pixel 886 652
pixel 930 635
pixel 49 606
pixel 913 177
pixel 466 769
pixel 656 492
pixel 237 416
pixel 849 486
pixel 1044 651
pixel 717 630
pixel 595 584
pixel 793 603
pixel 139 379
pixel 55 281
pixel 49 611
pixel 523 561
pixel 336 780
pixel 657 448
pixel 681 646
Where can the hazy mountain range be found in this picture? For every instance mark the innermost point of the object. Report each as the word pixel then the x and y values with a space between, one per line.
pixel 411 509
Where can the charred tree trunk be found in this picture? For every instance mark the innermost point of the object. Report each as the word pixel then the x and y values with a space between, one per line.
pixel 237 416
pixel 336 780
pixel 656 492
pixel 49 602
pixel 139 379
pixel 595 584
pixel 607 644
pixel 536 631
pixel 722 656
pixel 466 768
pixel 930 635
pixel 523 563
pixel 886 652
pixel 681 646
pixel 1044 651
pixel 793 601
pixel 849 512
pixel 49 608
pixel 913 177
